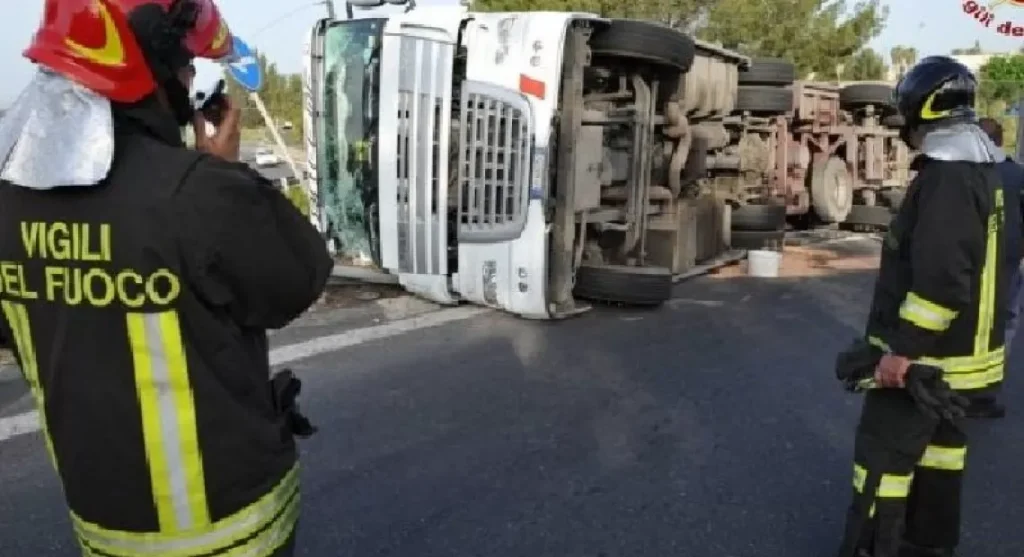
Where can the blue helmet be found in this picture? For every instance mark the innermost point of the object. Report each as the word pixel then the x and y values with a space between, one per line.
pixel 937 89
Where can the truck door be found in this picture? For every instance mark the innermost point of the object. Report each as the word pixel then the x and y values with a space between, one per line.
pixel 414 154
pixel 312 107
pixel 340 119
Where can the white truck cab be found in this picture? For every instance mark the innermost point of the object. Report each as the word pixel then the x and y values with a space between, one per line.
pixel 510 159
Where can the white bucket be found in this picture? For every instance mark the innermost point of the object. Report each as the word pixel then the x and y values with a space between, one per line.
pixel 763 263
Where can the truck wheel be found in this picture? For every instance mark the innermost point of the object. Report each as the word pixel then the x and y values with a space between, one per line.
pixel 644 40
pixel 760 99
pixel 759 217
pixel 768 71
pixel 893 121
pixel 894 199
pixel 869 216
pixel 831 190
pixel 863 94
pixel 636 286
pixel 758 239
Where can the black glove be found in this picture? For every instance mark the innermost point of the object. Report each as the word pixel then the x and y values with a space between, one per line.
pixel 855 366
pixel 285 389
pixel 933 395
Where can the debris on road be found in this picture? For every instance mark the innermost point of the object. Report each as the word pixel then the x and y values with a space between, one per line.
pixel 818 259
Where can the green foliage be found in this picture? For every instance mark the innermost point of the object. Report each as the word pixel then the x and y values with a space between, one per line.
pixel 817 35
pixel 865 65
pixel 976 49
pixel 298 196
pixel 281 93
pixel 1001 82
pixel 902 57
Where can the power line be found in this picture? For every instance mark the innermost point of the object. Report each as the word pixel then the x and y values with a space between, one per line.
pixel 291 13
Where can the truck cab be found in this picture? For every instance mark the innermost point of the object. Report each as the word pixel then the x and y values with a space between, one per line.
pixel 517 160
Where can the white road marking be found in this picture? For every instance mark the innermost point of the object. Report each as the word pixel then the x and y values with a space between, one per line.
pixel 29 421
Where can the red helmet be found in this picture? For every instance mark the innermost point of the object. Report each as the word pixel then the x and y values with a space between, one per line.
pixel 92 43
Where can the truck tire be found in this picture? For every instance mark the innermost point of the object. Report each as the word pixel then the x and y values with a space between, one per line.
pixel 759 217
pixel 831 190
pixel 644 40
pixel 760 99
pixel 894 199
pixel 893 121
pixel 758 239
pixel 768 71
pixel 863 94
pixel 873 216
pixel 620 284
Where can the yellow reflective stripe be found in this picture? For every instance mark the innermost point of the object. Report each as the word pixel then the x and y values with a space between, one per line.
pixel 986 307
pixel 963 372
pixel 943 458
pixel 891 486
pixel 926 314
pixel 966 364
pixel 168 421
pixel 269 513
pixel 17 317
pixel 968 381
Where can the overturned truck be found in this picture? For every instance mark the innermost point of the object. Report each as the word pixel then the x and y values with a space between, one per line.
pixel 816 153
pixel 522 160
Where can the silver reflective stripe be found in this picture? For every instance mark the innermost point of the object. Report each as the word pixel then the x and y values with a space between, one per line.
pixel 168 420
pixel 171 436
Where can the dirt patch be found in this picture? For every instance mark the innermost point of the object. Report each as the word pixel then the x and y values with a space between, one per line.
pixel 348 294
pixel 812 261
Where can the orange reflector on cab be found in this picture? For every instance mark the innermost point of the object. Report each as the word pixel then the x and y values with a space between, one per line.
pixel 530 86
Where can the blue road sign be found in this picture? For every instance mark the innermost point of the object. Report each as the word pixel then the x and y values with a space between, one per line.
pixel 245 69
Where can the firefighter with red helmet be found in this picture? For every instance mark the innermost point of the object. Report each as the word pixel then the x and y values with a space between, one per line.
pixel 137 281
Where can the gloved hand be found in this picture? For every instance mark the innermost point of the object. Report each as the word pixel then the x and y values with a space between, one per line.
pixel 285 389
pixel 933 395
pixel 855 366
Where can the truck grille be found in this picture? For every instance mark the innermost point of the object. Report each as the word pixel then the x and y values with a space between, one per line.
pixel 494 163
pixel 424 101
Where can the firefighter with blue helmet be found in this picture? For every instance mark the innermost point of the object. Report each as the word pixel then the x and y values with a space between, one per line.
pixel 935 313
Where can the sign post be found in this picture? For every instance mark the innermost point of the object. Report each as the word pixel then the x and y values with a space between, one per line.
pixel 245 70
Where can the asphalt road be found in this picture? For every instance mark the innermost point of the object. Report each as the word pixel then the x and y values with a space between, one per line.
pixel 709 428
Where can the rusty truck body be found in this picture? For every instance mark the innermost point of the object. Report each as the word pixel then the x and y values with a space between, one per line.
pixel 810 153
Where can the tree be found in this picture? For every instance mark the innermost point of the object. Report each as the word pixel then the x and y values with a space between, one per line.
pixel 976 49
pixel 815 34
pixel 902 57
pixel 866 65
pixel 1001 82
pixel 280 93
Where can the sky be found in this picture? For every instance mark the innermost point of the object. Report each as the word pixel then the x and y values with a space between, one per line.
pixel 279 27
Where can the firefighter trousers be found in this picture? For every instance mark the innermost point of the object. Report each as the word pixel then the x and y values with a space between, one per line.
pixel 907 478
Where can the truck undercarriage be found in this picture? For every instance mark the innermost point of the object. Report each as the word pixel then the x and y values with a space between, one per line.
pixel 598 160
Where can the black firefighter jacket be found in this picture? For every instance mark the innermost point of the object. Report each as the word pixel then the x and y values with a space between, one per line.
pixel 139 309
pixel 940 284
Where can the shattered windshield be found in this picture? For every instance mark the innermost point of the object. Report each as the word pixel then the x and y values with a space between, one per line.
pixel 348 182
